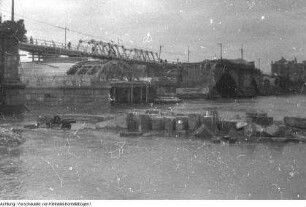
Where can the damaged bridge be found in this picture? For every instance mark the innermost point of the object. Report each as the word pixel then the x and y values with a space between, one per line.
pixel 221 78
pixel 90 49
pixel 124 68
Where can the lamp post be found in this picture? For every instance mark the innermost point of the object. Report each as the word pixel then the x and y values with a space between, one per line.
pixel 160 50
pixel 241 50
pixel 66 36
pixel 13 10
pixel 221 49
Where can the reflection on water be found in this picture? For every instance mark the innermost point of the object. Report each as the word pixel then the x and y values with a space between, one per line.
pixel 93 164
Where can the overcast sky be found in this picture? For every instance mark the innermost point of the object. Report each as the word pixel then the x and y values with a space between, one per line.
pixel 268 29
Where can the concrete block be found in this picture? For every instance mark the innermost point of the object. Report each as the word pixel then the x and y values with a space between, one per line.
pixel 194 121
pixel 209 121
pixel 145 123
pixel 274 131
pixel 132 122
pixel 181 123
pixel 204 132
pixel 226 125
pixel 158 123
pixel 296 122
pixel 169 126
pixel 241 125
pixel 263 121
pixel 253 130
pixel 233 133
pixel 260 118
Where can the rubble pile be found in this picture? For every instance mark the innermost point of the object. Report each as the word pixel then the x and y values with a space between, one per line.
pixel 256 126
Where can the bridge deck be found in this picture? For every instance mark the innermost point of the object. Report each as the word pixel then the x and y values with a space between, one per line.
pixel 98 50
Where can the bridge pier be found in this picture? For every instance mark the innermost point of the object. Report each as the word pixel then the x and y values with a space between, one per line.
pixel 132 94
pixel 136 92
pixel 11 89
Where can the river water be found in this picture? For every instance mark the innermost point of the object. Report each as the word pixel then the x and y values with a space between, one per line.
pixel 99 164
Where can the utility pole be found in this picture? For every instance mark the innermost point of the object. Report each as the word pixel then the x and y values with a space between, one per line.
pixel 259 63
pixel 221 50
pixel 66 36
pixel 188 55
pixel 160 51
pixel 241 50
pixel 13 10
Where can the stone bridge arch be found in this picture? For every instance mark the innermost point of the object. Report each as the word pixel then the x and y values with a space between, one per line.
pixel 236 79
pixel 115 69
pixel 105 70
pixel 227 85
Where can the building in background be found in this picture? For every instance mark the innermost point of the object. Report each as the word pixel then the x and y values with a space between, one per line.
pixel 290 75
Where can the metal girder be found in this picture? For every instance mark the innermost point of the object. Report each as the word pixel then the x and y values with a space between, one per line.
pixel 118 51
pixel 91 48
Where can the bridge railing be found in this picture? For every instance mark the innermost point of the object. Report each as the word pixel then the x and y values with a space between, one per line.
pixel 54 44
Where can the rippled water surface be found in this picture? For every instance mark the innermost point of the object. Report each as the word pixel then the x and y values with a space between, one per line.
pixel 99 164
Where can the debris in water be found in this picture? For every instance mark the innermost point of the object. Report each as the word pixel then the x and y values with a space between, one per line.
pixel 10 138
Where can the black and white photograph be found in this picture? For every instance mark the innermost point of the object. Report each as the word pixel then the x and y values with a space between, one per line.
pixel 152 100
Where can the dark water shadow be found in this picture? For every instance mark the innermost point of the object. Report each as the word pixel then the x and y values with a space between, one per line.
pixel 11 173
